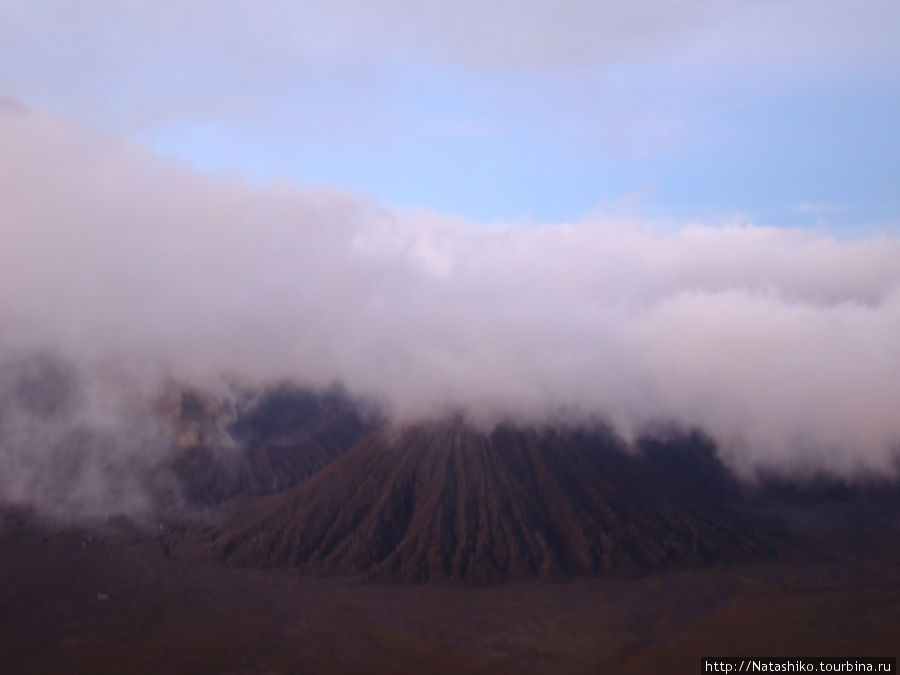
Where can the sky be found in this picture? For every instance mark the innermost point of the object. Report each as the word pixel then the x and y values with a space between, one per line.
pixel 778 112
pixel 632 214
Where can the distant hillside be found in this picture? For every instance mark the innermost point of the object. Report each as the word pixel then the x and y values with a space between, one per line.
pixel 276 439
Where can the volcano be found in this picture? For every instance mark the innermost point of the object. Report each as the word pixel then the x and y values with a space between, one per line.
pixel 447 501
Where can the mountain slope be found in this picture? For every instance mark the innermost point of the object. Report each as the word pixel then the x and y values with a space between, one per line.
pixel 446 501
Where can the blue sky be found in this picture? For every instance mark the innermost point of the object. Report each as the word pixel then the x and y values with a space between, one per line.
pixel 777 112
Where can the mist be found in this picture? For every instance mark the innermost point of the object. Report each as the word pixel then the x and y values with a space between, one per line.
pixel 124 271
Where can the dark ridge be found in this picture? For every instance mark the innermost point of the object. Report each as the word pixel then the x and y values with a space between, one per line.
pixel 692 460
pixel 285 412
pixel 448 502
pixel 284 435
pixel 825 487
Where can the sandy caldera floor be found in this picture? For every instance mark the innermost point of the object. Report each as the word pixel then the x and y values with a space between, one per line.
pixel 74 601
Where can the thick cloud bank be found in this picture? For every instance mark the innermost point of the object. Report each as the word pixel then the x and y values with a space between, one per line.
pixel 780 343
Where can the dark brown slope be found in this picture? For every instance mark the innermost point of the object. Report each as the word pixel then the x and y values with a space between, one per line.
pixel 283 436
pixel 446 501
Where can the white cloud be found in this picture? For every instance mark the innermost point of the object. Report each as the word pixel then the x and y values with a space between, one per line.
pixel 780 342
pixel 142 63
